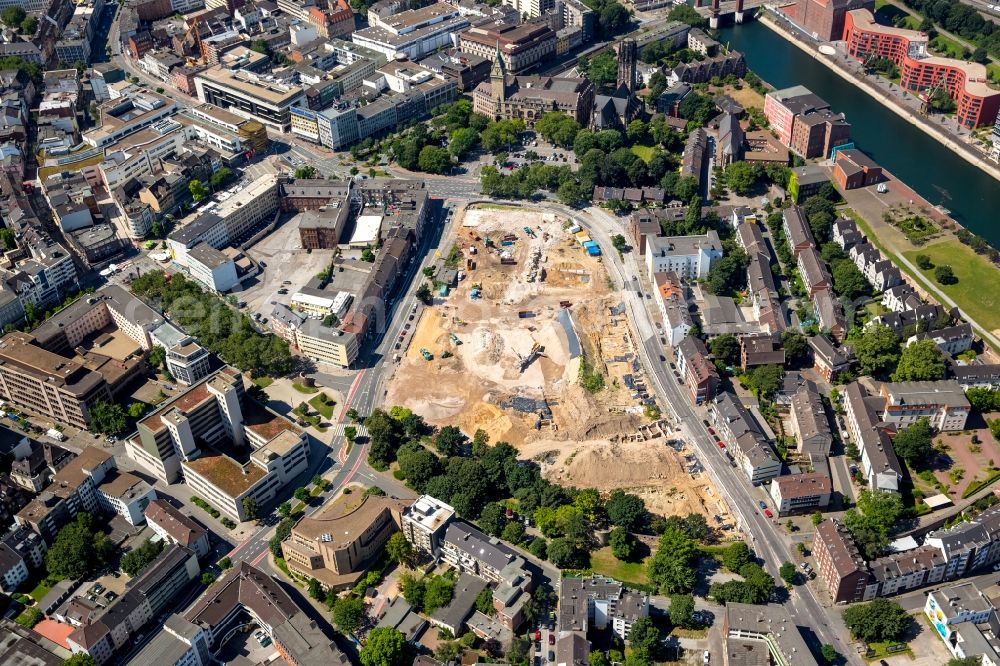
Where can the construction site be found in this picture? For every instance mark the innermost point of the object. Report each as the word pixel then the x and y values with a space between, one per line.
pixel 527 341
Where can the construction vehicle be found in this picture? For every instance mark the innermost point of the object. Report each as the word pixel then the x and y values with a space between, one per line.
pixel 536 351
pixel 446 354
pixel 454 338
pixel 529 231
pixel 426 354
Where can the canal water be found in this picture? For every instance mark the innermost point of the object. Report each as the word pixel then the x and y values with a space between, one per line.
pixel 934 171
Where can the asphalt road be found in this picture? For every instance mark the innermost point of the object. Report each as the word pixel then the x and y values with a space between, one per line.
pixel 366 392
pixel 766 541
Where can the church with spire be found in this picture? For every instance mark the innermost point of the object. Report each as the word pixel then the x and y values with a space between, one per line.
pixel 528 98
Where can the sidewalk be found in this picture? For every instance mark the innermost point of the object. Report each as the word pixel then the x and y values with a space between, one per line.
pixel 892 96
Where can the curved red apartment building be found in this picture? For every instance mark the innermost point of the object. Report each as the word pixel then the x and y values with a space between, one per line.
pixel 965 82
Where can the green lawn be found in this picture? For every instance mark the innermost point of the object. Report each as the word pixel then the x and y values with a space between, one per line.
pixel 880 650
pixel 604 563
pixel 946 46
pixel 302 388
pixel 322 404
pixel 263 382
pixel 644 152
pixel 42 588
pixel 978 289
pixel 993 70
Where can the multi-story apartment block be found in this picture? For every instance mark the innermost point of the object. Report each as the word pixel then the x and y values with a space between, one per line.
pixel 761 349
pixel 797 232
pixel 901 572
pixel 942 402
pixel 13 569
pixel 966 620
pixel 246 590
pixel 597 603
pixel 28 544
pixel 689 257
pixel 76 487
pixel 813 271
pixel 745 439
pixel 810 426
pixel 951 340
pixel 969 546
pixel 829 360
pixel 127 495
pixel 796 493
pixel 879 463
pixel 146 597
pixel 671 301
pixel 965 82
pixel 700 375
pixel 977 376
pixel 179 642
pixel 175 527
pixel 830 314
pixel 804 122
pixel 839 562
pixel 768 629
pixel 469 550
pixel 336 544
pixel 424 522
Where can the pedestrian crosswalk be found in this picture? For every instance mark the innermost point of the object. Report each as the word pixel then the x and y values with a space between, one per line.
pixel 338 429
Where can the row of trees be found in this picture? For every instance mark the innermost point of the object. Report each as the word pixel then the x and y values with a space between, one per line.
pixel 964 21
pixel 226 332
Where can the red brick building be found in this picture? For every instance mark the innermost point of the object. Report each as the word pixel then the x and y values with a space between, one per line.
pixel 839 562
pixel 965 82
pixel 853 169
pixel 338 21
pixel 816 134
pixel 824 19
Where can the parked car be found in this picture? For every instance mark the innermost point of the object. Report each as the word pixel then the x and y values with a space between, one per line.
pixel 552 639
pixel 762 505
pixel 767 512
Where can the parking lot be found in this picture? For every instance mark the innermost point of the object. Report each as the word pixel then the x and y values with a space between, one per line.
pixel 282 258
pixel 244 647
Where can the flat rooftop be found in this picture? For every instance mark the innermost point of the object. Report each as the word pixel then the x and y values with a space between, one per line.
pixel 265 423
pixel 340 522
pixel 251 85
pixel 225 473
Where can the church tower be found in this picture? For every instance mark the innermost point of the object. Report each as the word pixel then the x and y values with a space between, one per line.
pixel 498 80
pixel 627 55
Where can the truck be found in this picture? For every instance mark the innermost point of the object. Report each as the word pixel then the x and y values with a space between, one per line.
pixel 56 435
pixel 454 338
pixel 426 354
